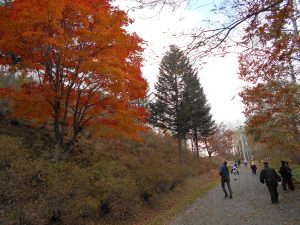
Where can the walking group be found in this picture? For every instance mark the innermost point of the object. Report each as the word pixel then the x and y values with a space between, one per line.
pixel 268 176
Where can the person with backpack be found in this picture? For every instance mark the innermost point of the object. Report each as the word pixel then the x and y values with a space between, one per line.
pixel 235 164
pixel 271 178
pixel 225 179
pixel 235 171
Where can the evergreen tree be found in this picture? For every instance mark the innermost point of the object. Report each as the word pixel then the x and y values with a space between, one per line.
pixel 201 125
pixel 180 103
pixel 167 111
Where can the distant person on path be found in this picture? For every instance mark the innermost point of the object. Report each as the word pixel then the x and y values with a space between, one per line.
pixel 224 173
pixel 235 171
pixel 235 164
pixel 286 174
pixel 253 168
pixel 239 162
pixel 270 177
pixel 245 162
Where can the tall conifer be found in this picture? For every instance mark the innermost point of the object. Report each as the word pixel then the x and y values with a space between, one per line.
pixel 166 111
pixel 200 122
pixel 180 104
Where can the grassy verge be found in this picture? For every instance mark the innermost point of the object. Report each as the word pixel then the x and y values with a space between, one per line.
pixel 194 188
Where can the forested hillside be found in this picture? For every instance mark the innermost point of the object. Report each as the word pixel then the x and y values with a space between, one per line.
pixel 103 181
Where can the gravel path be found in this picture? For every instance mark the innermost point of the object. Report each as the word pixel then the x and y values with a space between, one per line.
pixel 251 205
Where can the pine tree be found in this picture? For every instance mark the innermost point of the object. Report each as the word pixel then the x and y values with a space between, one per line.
pixel 201 125
pixel 180 104
pixel 167 110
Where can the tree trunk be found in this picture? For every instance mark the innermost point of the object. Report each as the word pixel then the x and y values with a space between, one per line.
pixel 66 108
pixel 180 153
pixel 58 153
pixel 196 143
pixel 207 149
pixel 73 140
pixel 57 130
pixel 209 155
pixel 193 147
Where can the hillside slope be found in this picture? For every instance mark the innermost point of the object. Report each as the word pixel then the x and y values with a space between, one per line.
pixel 103 181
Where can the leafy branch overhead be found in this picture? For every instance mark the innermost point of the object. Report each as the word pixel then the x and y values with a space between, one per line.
pixel 221 35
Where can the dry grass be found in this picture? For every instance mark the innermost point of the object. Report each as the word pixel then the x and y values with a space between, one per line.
pixel 173 203
pixel 112 182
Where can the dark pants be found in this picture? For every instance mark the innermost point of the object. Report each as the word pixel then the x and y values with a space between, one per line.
pixel 273 192
pixel 253 171
pixel 227 181
pixel 288 182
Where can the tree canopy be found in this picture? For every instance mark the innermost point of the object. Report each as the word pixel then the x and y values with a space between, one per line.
pixel 270 69
pixel 84 67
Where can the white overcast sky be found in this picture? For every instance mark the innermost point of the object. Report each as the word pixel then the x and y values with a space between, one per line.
pixel 218 76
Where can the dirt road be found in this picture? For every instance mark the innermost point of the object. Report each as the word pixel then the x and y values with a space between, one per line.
pixel 250 205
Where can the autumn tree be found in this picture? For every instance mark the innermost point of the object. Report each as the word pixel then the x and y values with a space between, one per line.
pixel 84 67
pixel 221 142
pixel 270 69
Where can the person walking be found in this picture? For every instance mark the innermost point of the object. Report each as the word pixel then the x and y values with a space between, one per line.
pixel 290 182
pixel 235 164
pixel 286 174
pixel 235 171
pixel 253 168
pixel 225 178
pixel 271 178
pixel 245 162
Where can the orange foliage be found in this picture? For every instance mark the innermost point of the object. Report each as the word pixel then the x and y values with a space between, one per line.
pixel 85 68
pixel 220 142
pixel 269 67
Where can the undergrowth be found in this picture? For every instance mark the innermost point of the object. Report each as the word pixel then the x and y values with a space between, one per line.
pixel 103 181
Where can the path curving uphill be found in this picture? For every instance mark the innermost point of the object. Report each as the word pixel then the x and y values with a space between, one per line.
pixel 251 205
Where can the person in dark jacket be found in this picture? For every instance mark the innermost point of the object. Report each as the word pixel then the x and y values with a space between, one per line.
pixel 286 174
pixel 271 178
pixel 253 168
pixel 224 173
pixel 290 182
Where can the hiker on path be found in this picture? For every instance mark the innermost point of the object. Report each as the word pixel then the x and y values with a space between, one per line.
pixel 224 173
pixel 271 178
pixel 235 164
pixel 245 162
pixel 235 171
pixel 286 174
pixel 290 181
pixel 253 168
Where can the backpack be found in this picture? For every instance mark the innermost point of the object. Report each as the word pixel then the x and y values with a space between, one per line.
pixel 223 171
